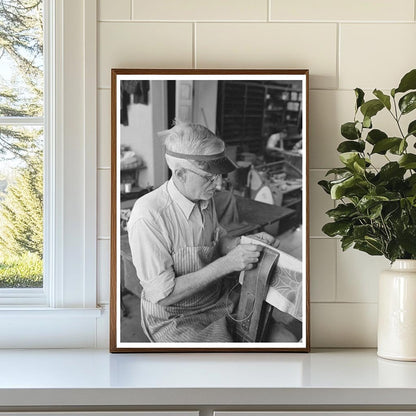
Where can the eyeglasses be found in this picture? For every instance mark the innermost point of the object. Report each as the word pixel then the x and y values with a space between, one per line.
pixel 209 178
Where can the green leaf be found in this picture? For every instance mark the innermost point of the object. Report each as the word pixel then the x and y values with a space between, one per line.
pixel 338 171
pixel 386 144
pixel 359 94
pixel 375 212
pixel 367 248
pixel 367 122
pixel 374 136
pixel 348 158
pixel 393 250
pixel 413 211
pixel 408 161
pixel 407 239
pixel 398 149
pixel 350 146
pixel 411 130
pixel 342 211
pixel 346 242
pixel 338 188
pixel 359 165
pixel 393 92
pixel 371 108
pixel 385 99
pixel 336 228
pixel 402 147
pixel 408 102
pixel 391 170
pixel 404 205
pixel 369 201
pixel 411 184
pixel 374 242
pixel 325 186
pixel 412 202
pixel 391 213
pixel 408 82
pixel 349 131
pixel 412 179
pixel 361 231
pixel 350 187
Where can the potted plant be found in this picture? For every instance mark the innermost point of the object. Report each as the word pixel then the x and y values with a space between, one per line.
pixel 376 206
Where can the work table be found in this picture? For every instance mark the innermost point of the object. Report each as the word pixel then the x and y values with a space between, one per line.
pixel 323 379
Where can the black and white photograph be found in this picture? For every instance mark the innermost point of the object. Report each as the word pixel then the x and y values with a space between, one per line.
pixel 209 211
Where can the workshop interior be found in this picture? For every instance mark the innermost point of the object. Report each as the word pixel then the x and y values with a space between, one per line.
pixel 261 123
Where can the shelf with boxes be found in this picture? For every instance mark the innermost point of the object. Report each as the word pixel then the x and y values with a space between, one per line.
pixel 248 112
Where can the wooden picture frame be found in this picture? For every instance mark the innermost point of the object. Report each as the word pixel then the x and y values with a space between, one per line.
pixel 262 116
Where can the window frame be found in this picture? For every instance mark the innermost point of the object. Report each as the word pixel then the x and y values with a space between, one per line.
pixel 38 296
pixel 70 167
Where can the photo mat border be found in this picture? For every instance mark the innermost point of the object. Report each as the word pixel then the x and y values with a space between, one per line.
pixel 173 74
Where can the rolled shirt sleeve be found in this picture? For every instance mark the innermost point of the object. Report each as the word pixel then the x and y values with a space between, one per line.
pixel 152 259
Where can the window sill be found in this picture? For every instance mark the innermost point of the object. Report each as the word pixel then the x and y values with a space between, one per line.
pixel 36 311
pixel 40 327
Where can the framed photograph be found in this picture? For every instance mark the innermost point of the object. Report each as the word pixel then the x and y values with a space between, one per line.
pixel 209 211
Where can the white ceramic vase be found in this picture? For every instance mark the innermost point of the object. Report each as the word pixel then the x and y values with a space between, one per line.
pixel 397 312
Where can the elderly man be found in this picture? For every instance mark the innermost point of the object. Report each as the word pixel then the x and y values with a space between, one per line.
pixel 181 253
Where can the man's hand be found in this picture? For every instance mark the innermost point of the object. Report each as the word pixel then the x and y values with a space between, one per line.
pixel 243 257
pixel 266 238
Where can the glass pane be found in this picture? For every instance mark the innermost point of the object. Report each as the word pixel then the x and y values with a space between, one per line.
pixel 21 58
pixel 21 207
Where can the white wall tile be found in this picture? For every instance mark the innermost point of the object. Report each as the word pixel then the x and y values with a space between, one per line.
pixel 341 10
pixel 272 45
pixel 376 55
pixel 200 10
pixel 103 271
pixel 142 45
pixel 104 129
pixel 357 275
pixel 349 325
pixel 104 203
pixel 319 203
pixel 327 111
pixel 114 10
pixel 323 254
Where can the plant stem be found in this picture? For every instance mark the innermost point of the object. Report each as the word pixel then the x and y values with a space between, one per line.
pixel 397 118
pixel 388 234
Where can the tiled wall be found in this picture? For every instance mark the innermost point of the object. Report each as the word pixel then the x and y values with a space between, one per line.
pixel 345 44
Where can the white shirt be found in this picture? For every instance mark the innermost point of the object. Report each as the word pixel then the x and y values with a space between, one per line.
pixel 275 141
pixel 161 223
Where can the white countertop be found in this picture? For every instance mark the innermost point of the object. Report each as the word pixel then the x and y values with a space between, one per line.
pixel 96 377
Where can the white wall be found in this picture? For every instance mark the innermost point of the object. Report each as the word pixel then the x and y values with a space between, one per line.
pixel 205 103
pixel 345 44
pixel 141 134
pixel 138 135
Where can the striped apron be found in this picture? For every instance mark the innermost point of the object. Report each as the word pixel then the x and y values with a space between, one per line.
pixel 199 318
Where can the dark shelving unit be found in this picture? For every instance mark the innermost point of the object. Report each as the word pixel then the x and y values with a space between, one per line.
pixel 249 112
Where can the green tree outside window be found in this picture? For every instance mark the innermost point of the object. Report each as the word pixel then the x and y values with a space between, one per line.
pixel 21 143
